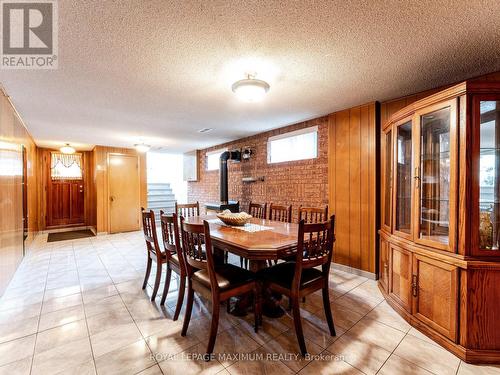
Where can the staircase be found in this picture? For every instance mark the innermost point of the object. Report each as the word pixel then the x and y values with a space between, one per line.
pixel 160 197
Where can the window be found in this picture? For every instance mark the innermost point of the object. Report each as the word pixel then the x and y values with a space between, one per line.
pixel 66 166
pixel 213 158
pixel 298 145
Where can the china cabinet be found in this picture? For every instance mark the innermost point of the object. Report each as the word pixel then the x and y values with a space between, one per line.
pixel 439 259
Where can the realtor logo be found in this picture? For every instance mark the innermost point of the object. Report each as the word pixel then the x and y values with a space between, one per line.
pixel 29 34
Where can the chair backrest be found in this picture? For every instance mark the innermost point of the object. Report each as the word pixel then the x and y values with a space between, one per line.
pixel 313 214
pixel 171 241
pixel 187 209
pixel 150 235
pixel 315 245
pixel 280 213
pixel 257 210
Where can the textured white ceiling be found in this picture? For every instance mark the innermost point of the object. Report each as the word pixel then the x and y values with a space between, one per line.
pixel 159 70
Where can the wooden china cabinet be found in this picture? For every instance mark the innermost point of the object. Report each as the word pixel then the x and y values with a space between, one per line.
pixel 440 218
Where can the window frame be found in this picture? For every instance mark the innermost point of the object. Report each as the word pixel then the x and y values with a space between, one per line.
pixel 308 130
pixel 214 152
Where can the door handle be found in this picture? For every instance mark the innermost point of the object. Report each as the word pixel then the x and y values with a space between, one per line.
pixel 414 285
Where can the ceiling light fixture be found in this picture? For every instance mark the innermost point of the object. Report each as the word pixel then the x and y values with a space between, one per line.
pixel 142 147
pixel 67 149
pixel 250 89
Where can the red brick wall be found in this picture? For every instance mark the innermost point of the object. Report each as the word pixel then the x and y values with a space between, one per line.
pixel 303 182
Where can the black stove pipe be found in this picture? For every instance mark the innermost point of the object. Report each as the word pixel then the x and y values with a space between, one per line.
pixel 227 155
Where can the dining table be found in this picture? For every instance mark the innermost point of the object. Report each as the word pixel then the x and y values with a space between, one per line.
pixel 259 241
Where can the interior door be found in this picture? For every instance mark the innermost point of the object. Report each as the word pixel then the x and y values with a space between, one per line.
pixel 124 193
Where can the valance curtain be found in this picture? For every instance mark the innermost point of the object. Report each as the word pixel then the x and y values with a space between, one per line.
pixel 66 166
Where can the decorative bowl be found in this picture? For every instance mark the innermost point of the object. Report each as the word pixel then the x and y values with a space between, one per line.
pixel 237 219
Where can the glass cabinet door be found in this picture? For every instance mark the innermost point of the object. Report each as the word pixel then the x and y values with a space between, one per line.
pixel 489 175
pixel 387 179
pixel 435 176
pixel 403 183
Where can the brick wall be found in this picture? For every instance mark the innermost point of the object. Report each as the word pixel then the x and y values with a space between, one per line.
pixel 303 182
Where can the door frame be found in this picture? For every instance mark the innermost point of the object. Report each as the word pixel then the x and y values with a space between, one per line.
pixel 108 196
pixel 46 180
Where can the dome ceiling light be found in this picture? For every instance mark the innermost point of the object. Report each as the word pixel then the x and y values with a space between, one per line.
pixel 142 147
pixel 67 149
pixel 250 89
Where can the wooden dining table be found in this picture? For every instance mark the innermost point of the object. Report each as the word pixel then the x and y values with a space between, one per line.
pixel 259 241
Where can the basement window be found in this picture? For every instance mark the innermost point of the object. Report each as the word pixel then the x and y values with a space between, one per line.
pixel 66 166
pixel 213 159
pixel 297 145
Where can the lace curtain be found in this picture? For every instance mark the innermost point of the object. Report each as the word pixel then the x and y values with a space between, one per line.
pixel 66 166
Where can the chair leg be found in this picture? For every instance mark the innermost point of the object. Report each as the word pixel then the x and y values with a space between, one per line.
pixel 157 281
pixel 328 311
pixel 180 296
pixel 257 308
pixel 214 326
pixel 148 271
pixel 166 287
pixel 298 325
pixel 189 308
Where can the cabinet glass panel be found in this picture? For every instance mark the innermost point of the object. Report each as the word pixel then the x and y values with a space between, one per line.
pixel 388 178
pixel 489 176
pixel 403 178
pixel 435 175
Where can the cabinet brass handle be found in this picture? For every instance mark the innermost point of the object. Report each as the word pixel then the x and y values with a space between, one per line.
pixel 414 285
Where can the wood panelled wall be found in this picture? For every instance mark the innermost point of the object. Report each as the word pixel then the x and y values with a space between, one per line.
pixel 352 176
pixel 13 135
pixel 43 161
pixel 100 183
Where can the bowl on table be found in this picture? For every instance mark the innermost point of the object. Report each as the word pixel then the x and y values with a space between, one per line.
pixel 237 219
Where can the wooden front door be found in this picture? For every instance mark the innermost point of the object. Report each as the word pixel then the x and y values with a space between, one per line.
pixel 124 193
pixel 65 202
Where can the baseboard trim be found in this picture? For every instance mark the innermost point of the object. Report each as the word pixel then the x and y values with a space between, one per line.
pixel 355 271
pixel 68 229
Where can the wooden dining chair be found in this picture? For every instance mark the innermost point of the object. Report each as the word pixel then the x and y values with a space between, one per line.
pixel 218 282
pixel 175 260
pixel 299 278
pixel 258 210
pixel 313 214
pixel 280 213
pixel 187 209
pixel 154 252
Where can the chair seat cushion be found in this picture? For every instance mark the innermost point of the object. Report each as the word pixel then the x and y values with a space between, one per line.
pixel 282 274
pixel 228 276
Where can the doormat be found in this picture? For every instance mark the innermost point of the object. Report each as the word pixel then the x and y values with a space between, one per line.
pixel 73 235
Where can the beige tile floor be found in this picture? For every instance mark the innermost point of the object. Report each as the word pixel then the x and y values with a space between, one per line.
pixel 76 307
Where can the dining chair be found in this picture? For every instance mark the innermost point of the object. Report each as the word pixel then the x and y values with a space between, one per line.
pixel 313 214
pixel 154 252
pixel 299 278
pixel 175 260
pixel 258 210
pixel 187 209
pixel 280 213
pixel 217 282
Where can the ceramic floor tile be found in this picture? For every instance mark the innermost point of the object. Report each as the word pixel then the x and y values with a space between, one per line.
pixel 115 338
pixel 468 369
pixel 366 357
pixel 169 342
pixel 97 294
pixel 20 367
pixel 61 303
pixel 62 358
pixel 233 341
pixel 328 364
pixel 191 362
pixel 343 316
pixel 424 354
pixel 398 365
pixel 108 320
pixel 20 313
pixel 60 317
pixel 15 350
pixel 128 360
pixel 153 370
pixel 376 333
pixel 385 314
pixel 19 328
pixel 259 362
pixel 86 368
pixel 61 335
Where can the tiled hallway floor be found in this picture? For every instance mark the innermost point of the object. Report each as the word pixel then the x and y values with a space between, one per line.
pixel 77 307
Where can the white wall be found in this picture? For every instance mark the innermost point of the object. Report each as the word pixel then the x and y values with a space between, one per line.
pixel 167 168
